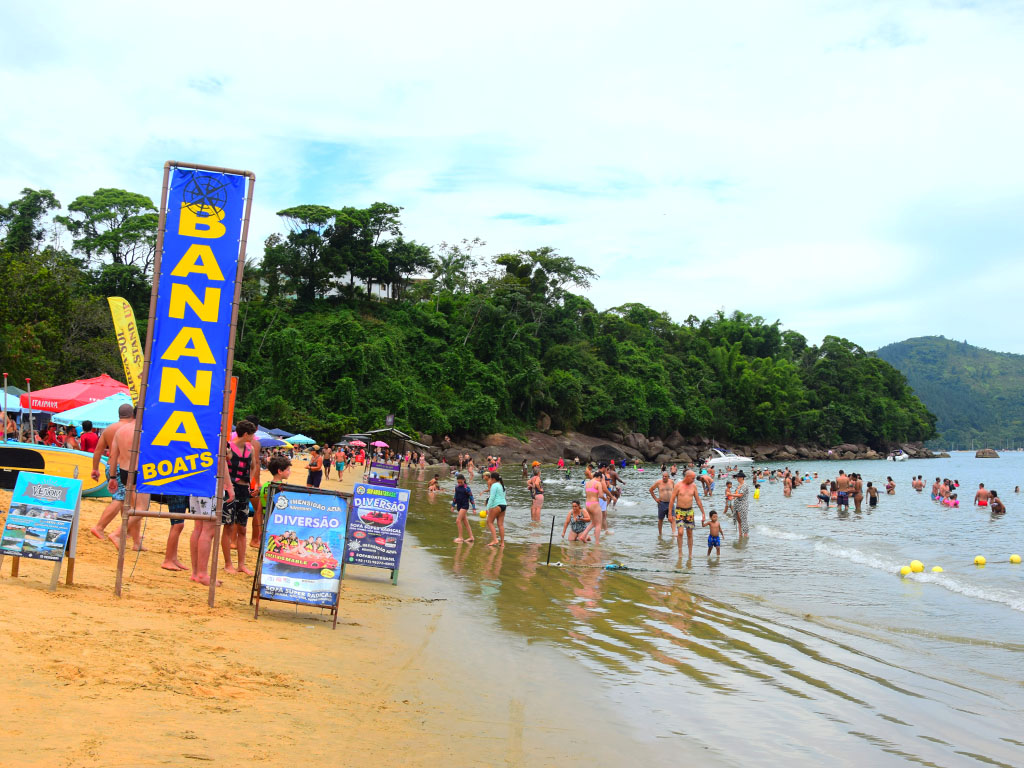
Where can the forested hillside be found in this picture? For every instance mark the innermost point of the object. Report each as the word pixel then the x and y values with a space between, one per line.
pixel 344 319
pixel 976 394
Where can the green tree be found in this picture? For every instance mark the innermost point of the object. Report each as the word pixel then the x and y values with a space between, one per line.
pixel 21 222
pixel 116 224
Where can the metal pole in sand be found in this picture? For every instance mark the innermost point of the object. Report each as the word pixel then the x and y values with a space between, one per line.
pixel 550 539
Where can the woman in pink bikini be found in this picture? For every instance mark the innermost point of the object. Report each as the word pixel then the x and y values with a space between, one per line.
pixel 592 487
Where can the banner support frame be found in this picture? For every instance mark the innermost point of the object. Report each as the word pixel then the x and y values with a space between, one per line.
pixel 137 437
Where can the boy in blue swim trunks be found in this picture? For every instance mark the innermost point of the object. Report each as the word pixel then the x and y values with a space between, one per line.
pixel 714 534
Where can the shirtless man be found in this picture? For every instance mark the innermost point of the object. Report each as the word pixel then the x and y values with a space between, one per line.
pixel 661 492
pixel 682 500
pixel 120 459
pixel 935 488
pixel 612 476
pixel 843 489
pixel 982 496
pixel 126 415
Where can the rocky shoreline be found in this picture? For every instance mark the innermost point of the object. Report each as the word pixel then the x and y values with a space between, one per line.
pixel 548 447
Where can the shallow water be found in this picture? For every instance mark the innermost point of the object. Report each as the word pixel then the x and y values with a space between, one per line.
pixel 797 641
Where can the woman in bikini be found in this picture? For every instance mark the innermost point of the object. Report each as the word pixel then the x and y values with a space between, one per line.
pixel 576 520
pixel 537 492
pixel 592 487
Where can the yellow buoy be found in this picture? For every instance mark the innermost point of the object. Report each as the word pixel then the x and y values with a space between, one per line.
pixel 905 570
pixel 483 513
pixel 916 566
pixel 1015 559
pixel 979 560
pixel 936 569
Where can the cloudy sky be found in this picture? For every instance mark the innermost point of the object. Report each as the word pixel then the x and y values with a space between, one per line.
pixel 849 168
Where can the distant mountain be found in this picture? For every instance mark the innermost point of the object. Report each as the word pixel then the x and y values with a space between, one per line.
pixel 976 394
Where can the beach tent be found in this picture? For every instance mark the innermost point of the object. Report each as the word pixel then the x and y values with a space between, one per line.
pixel 64 397
pixel 102 413
pixel 301 440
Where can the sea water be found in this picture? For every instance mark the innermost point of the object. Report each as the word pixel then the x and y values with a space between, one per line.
pixel 800 644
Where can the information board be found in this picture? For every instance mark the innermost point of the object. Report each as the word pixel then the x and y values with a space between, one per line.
pixel 304 534
pixel 383 473
pixel 42 522
pixel 376 527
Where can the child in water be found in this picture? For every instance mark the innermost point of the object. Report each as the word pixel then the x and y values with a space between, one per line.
pixel 872 496
pixel 434 486
pixel 714 534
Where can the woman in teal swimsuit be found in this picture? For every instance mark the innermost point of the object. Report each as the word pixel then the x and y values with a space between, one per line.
pixel 496 506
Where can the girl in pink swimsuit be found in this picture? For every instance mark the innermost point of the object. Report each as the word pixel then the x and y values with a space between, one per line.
pixel 593 491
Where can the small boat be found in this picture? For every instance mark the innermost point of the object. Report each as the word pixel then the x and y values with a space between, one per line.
pixel 897 455
pixel 724 458
pixel 378 518
pixel 50 460
pixel 314 561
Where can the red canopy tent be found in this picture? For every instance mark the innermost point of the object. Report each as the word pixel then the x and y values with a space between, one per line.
pixel 67 396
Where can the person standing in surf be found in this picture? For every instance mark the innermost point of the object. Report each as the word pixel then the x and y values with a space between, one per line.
pixel 684 496
pixel 536 489
pixel 496 506
pixel 843 492
pixel 661 492
pixel 741 504
pixel 593 489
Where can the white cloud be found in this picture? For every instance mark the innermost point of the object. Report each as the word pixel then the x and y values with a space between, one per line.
pixel 820 163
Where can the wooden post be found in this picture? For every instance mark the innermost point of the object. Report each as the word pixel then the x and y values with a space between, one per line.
pixel 139 406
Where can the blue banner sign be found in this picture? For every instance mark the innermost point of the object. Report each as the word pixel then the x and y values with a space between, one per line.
pixel 181 423
pixel 41 522
pixel 376 526
pixel 305 533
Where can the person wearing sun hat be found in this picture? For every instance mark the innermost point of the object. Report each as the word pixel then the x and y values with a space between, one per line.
pixel 740 498
pixel 316 468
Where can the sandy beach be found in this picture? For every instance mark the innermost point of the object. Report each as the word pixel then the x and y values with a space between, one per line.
pixel 159 678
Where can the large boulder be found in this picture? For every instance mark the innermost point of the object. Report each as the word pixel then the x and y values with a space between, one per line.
pixel 500 440
pixel 426 439
pixel 607 452
pixel 846 448
pixel 675 441
pixel 543 422
pixel 631 440
pixel 986 453
pixel 654 448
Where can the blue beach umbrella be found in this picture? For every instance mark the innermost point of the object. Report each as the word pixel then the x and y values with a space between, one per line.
pixel 301 440
pixel 279 433
pixel 13 402
pixel 268 441
pixel 102 413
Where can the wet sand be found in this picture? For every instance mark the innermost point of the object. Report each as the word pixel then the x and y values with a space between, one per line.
pixel 410 676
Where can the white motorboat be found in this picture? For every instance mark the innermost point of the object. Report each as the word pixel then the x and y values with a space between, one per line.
pixel 720 458
pixel 897 456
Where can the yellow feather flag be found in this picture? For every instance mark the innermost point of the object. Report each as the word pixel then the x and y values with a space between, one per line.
pixel 128 342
